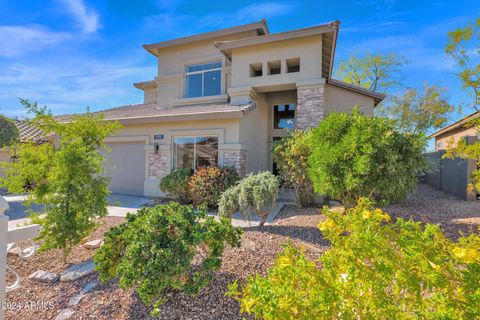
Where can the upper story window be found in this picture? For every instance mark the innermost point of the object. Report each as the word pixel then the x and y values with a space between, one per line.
pixel 203 79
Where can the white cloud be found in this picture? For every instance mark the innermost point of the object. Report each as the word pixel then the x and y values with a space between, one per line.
pixel 71 85
pixel 19 40
pixel 86 18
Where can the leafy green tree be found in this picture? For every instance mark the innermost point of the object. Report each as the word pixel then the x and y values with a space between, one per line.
pixel 374 269
pixel 374 72
pixel 463 43
pixel 419 111
pixel 8 132
pixel 291 156
pixel 255 194
pixel 157 248
pixel 68 179
pixel 353 155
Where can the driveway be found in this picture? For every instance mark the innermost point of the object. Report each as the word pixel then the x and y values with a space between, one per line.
pixel 17 211
pixel 119 205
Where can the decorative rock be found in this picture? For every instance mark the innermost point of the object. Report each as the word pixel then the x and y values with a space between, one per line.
pixel 89 287
pixel 44 276
pixel 15 251
pixel 75 300
pixel 65 314
pixel 94 244
pixel 336 206
pixel 78 271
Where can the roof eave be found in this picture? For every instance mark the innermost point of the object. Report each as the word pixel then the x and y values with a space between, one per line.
pixel 334 46
pixel 154 47
pixel 227 46
pixel 377 96
pixel 456 124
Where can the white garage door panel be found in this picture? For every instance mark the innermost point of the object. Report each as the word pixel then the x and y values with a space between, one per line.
pixel 126 165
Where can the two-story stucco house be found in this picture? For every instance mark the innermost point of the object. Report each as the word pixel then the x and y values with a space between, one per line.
pixel 222 97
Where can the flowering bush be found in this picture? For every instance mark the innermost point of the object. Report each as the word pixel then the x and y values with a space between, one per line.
pixel 156 247
pixel 254 194
pixel 176 185
pixel 207 184
pixel 373 270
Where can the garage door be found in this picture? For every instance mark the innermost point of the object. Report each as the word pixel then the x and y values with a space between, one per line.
pixel 126 165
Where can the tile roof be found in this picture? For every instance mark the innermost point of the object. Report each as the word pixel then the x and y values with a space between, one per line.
pixel 28 132
pixel 152 110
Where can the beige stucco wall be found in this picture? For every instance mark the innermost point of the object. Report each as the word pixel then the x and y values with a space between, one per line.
pixel 172 62
pixel 450 139
pixel 254 133
pixel 308 49
pixel 149 95
pixel 342 100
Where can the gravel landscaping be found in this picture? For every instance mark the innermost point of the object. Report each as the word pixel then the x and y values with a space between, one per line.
pixel 432 206
pixel 260 246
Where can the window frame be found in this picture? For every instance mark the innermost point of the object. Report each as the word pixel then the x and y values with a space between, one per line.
pixel 294 116
pixel 202 72
pixel 174 164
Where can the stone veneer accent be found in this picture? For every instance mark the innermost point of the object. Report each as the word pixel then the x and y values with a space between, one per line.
pixel 236 159
pixel 310 107
pixel 157 165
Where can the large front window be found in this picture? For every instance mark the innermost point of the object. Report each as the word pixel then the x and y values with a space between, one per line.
pixel 203 79
pixel 195 152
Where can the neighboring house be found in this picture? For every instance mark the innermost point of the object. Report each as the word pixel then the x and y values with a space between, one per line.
pixel 448 136
pixel 222 97
pixel 454 175
pixel 26 133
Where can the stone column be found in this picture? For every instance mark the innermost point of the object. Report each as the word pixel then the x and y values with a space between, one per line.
pixel 157 165
pixel 310 106
pixel 233 155
pixel 237 160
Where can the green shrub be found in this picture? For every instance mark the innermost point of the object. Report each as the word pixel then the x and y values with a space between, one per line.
pixel 175 185
pixel 8 132
pixel 155 250
pixel 254 194
pixel 373 270
pixel 207 184
pixel 291 156
pixel 354 155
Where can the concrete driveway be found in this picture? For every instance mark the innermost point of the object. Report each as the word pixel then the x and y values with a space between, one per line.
pixel 17 211
pixel 119 205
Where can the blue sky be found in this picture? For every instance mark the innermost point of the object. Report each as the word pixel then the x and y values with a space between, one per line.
pixel 69 54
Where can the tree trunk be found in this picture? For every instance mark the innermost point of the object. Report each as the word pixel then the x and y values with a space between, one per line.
pixel 263 216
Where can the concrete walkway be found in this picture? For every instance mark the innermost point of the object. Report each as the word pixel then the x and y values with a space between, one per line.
pixel 121 204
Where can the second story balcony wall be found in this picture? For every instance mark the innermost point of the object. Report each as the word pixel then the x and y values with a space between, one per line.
pixel 279 63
